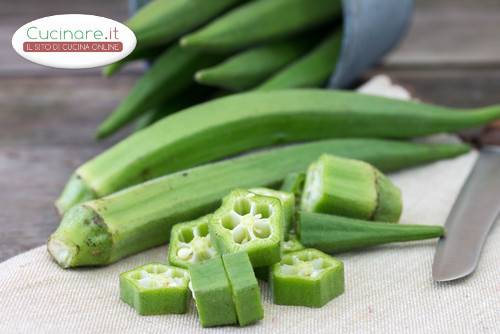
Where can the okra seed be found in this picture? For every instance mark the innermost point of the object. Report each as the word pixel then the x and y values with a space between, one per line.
pixel 185 253
pixel 262 229
pixel 241 235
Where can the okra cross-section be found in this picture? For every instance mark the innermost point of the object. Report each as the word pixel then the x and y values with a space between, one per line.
pixel 212 293
pixel 191 243
pixel 307 278
pixel 350 188
pixel 250 223
pixel 287 200
pixel 155 289
pixel 246 293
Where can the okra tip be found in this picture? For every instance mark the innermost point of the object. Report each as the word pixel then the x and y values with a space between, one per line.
pixel 75 192
pixel 82 239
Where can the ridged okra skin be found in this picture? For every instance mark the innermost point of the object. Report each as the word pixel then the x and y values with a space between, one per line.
pixel 307 278
pixel 260 21
pixel 350 188
pixel 266 118
pixel 245 288
pixel 212 293
pixel 311 70
pixel 335 234
pixel 287 200
pixel 103 231
pixel 249 68
pixel 191 243
pixel 155 289
pixel 249 223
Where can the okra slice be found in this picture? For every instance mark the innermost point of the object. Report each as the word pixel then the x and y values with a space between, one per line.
pixel 212 293
pixel 307 278
pixel 246 292
pixel 350 188
pixel 292 244
pixel 191 243
pixel 250 223
pixel 287 200
pixel 155 289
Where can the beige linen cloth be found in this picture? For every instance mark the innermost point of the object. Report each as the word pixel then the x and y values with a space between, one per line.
pixel 388 289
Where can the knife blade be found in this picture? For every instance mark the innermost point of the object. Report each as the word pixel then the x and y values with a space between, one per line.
pixel 472 216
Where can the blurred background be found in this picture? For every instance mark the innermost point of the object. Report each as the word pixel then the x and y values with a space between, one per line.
pixel 450 56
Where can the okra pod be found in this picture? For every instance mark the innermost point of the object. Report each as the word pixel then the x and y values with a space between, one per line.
pixel 312 70
pixel 334 234
pixel 212 293
pixel 260 21
pixel 105 230
pixel 250 223
pixel 244 286
pixel 242 122
pixel 350 188
pixel 191 243
pixel 164 21
pixel 307 278
pixel 287 202
pixel 137 54
pixel 155 288
pixel 249 68
pixel 170 74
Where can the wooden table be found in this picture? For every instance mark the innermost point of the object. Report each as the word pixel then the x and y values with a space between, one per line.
pixel 47 116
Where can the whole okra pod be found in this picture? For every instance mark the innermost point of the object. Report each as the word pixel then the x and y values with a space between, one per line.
pixel 242 122
pixel 105 230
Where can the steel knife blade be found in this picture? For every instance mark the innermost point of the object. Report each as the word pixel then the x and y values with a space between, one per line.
pixel 472 216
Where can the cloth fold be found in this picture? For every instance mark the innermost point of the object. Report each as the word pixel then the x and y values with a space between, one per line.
pixel 388 289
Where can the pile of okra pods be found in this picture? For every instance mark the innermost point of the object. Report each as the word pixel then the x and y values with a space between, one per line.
pixel 234 89
pixel 277 236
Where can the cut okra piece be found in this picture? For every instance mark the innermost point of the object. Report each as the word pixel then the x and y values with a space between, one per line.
pixel 292 244
pixel 212 293
pixel 250 223
pixel 246 293
pixel 350 188
pixel 155 289
pixel 307 278
pixel 191 243
pixel 287 200
pixel 294 183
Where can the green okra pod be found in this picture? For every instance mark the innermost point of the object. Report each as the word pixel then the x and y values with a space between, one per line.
pixel 164 21
pixel 307 278
pixel 242 122
pixel 334 234
pixel 350 188
pixel 212 293
pixel 250 223
pixel 249 68
pixel 105 230
pixel 244 286
pixel 260 21
pixel 170 74
pixel 191 243
pixel 155 288
pixel 312 70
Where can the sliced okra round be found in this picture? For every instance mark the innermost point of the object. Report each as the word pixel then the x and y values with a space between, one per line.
pixel 307 278
pixel 350 188
pixel 155 289
pixel 287 200
pixel 191 243
pixel 292 244
pixel 250 223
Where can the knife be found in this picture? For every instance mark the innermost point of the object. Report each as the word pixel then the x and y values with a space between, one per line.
pixel 472 216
